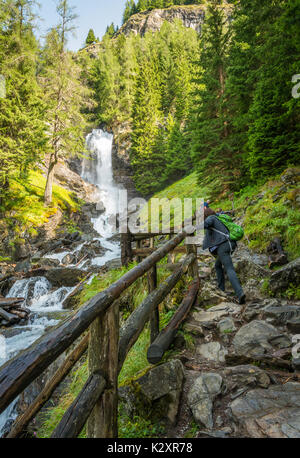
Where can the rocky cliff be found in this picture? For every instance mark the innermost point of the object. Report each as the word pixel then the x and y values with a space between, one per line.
pixel 192 16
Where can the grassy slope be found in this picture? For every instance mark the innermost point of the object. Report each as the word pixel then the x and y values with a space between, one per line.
pixel 24 208
pixel 268 210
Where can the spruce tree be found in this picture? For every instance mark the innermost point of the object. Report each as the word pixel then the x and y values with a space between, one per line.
pixel 209 127
pixel 90 39
pixel 22 126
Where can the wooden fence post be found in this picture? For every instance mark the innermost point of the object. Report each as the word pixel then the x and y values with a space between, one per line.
pixel 154 321
pixel 194 270
pixel 126 249
pixel 103 357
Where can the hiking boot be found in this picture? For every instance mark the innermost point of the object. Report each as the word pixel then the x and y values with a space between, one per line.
pixel 242 299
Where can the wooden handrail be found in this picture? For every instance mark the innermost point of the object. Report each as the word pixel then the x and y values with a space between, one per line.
pixel 133 327
pixel 108 345
pixel 18 373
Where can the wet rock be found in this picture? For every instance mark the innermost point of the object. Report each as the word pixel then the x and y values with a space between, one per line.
pixel 283 278
pixel 65 276
pixel 47 262
pixel 70 258
pixel 274 412
pixel 226 326
pixel 157 392
pixel 23 266
pixel 201 397
pixel 213 351
pixel 91 250
pixel 259 337
pixel 246 375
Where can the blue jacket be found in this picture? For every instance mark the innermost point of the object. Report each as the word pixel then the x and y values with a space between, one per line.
pixel 213 238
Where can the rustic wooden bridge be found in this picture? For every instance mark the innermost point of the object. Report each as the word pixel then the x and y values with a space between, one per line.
pixel 96 326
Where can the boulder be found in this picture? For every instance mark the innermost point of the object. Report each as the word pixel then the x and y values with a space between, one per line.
pixel 273 413
pixel 201 397
pixel 213 351
pixel 258 338
pixel 65 276
pixel 246 375
pixel 282 314
pixel 214 314
pixel 156 393
pixel 247 269
pixel 114 264
pixel 283 278
pixel 210 295
pixel 291 176
pixel 23 266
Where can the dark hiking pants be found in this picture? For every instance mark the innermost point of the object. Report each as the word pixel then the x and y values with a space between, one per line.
pixel 224 262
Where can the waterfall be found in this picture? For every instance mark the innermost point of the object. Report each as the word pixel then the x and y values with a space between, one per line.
pixel 97 170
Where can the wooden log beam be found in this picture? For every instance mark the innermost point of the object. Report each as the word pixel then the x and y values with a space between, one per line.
pixel 9 317
pixel 18 373
pixel 154 320
pixel 157 350
pixel 23 420
pixel 103 355
pixel 11 302
pixel 133 327
pixel 146 251
pixel 77 414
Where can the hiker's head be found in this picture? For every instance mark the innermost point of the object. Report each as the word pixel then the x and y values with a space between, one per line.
pixel 208 212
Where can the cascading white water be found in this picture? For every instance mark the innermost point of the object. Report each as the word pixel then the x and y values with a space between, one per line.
pixel 39 295
pixel 98 170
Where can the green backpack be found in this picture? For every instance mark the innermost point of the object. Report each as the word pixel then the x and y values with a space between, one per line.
pixel 236 232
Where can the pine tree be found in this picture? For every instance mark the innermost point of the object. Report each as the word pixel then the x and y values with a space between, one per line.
pixel 147 161
pixel 22 124
pixel 209 128
pixel 90 39
pixel 274 137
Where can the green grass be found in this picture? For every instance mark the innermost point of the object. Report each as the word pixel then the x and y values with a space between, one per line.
pixel 266 218
pixel 24 209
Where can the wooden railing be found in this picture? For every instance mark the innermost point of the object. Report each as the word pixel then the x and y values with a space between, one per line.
pixel 97 321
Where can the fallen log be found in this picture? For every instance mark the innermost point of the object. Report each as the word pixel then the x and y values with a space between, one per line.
pixel 18 373
pixel 23 420
pixel 11 319
pixel 131 330
pixel 19 313
pixel 11 302
pixel 163 341
pixel 76 416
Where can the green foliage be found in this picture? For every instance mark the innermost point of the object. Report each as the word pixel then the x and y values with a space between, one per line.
pixel 90 39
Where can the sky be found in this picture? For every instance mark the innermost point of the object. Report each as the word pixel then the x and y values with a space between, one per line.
pixel 93 14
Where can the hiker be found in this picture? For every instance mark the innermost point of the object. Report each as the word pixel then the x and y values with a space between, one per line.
pixel 221 247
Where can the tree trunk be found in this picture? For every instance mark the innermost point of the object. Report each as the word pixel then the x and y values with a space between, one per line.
pixel 50 177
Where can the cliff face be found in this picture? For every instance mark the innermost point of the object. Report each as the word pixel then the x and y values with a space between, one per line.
pixel 192 16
